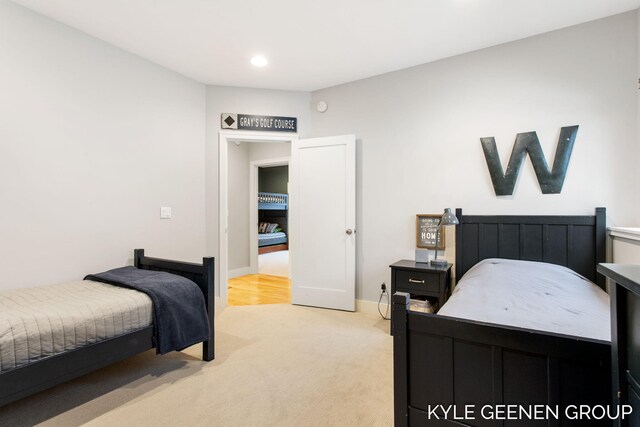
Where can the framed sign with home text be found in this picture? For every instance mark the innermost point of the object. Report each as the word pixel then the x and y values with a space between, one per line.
pixel 427 231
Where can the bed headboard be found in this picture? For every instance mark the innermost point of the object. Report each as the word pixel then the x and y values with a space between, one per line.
pixel 577 242
pixel 273 201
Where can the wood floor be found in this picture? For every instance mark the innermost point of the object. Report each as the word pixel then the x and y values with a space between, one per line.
pixel 254 289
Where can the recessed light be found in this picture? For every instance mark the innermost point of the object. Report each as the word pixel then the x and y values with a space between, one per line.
pixel 259 61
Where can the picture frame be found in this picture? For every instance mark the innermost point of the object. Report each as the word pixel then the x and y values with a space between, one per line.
pixel 426 229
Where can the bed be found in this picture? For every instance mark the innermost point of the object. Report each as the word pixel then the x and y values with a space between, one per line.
pixel 273 222
pixel 273 201
pixel 460 360
pixel 268 239
pixel 123 328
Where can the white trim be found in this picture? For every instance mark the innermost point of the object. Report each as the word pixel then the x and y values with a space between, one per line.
pixel 630 233
pixel 223 201
pixel 243 271
pixel 253 206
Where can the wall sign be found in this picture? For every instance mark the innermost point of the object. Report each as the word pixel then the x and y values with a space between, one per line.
pixel 550 181
pixel 427 231
pixel 262 123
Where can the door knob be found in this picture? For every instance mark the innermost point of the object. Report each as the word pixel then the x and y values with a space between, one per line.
pixel 349 231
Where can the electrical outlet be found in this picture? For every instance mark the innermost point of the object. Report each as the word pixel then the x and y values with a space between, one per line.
pixel 383 287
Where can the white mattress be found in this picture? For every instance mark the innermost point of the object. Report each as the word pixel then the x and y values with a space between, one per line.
pixel 533 295
pixel 39 322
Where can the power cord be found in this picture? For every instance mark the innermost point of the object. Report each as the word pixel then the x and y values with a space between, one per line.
pixel 383 292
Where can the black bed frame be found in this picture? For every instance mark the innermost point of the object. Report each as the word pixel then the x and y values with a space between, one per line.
pixel 451 361
pixel 46 373
pixel 577 242
pixel 624 293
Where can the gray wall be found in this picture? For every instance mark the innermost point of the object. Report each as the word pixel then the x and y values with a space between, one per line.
pixel 93 141
pixel 637 193
pixel 419 130
pixel 274 179
pixel 269 150
pixel 238 184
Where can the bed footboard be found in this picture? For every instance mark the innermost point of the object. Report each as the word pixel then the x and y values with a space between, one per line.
pixel 201 274
pixel 441 360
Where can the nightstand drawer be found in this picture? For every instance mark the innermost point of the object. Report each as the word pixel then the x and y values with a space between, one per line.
pixel 413 281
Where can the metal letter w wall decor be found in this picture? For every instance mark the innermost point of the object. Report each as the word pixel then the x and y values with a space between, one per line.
pixel 550 181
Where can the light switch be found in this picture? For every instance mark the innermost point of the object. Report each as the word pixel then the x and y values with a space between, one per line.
pixel 165 212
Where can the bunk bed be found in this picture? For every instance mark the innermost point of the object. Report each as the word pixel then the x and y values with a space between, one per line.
pixel 272 216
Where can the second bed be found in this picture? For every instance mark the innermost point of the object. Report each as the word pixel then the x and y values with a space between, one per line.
pixel 528 324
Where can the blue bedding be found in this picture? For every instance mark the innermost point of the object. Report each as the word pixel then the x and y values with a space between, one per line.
pixel 268 239
pixel 179 311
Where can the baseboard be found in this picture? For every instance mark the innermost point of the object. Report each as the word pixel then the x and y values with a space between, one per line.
pixel 371 307
pixel 239 272
pixel 362 306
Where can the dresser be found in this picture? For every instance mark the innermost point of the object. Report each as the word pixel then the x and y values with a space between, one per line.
pixel 624 295
pixel 421 279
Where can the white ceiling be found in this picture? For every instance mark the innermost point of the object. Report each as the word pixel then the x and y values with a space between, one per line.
pixel 312 44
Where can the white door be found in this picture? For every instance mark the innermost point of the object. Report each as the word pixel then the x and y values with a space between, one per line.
pixel 322 232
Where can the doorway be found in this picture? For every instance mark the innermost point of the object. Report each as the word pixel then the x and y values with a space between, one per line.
pixel 322 209
pixel 243 157
pixel 273 219
pixel 268 279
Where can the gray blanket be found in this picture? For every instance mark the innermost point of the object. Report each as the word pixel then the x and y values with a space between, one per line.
pixel 179 312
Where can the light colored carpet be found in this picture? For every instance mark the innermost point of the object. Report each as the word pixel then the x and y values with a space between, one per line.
pixel 274 263
pixel 276 365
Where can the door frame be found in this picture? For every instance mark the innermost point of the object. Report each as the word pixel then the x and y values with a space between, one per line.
pixel 223 196
pixel 253 205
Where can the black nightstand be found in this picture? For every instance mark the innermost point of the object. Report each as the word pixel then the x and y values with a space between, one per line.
pixel 423 279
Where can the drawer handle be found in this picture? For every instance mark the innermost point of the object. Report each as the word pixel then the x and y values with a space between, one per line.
pixel 416 281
